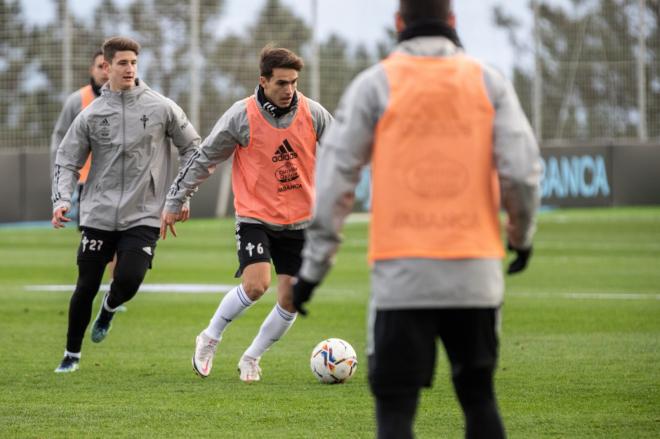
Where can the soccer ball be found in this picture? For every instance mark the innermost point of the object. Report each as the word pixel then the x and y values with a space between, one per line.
pixel 333 361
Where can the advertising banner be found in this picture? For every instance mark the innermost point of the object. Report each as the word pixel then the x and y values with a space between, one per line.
pixel 577 176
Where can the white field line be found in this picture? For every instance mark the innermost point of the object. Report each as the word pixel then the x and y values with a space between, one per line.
pixel 587 296
pixel 219 288
pixel 144 288
pixel 358 218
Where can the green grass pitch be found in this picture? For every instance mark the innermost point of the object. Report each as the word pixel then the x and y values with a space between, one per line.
pixel 580 343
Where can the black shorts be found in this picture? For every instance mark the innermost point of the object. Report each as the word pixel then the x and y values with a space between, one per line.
pixel 101 245
pixel 258 243
pixel 405 345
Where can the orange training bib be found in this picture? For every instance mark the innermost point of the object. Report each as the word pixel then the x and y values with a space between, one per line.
pixel 435 192
pixel 273 176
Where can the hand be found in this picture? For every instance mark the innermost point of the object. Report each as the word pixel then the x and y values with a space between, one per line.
pixel 521 260
pixel 302 292
pixel 185 213
pixel 59 219
pixel 167 220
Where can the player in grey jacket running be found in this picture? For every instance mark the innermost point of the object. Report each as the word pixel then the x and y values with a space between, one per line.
pixel 128 131
pixel 454 290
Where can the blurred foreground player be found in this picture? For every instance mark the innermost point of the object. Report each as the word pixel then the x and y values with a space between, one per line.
pixel 439 129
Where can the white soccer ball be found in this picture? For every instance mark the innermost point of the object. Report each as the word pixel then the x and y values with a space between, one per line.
pixel 333 361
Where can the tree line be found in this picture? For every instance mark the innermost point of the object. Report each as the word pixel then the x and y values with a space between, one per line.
pixel 587 54
pixel 31 64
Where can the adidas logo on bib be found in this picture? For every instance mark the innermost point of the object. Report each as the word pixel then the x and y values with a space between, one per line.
pixel 284 152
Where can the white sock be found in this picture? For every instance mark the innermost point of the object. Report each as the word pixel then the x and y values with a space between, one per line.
pixel 231 306
pixel 273 328
pixel 72 354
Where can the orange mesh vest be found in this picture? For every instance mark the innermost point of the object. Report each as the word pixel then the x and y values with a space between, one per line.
pixel 86 96
pixel 435 191
pixel 273 177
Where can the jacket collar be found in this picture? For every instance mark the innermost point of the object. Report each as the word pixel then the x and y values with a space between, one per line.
pixel 430 28
pixel 95 87
pixel 129 96
pixel 271 108
pixel 428 46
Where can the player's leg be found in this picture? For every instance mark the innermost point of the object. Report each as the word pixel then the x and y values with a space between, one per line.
pixel 395 415
pixel 93 252
pixel 110 268
pixel 254 271
pixel 110 274
pixel 135 251
pixel 470 338
pixel 276 324
pixel 402 353
pixel 285 251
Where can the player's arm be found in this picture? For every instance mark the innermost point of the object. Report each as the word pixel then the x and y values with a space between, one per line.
pixel 517 159
pixel 345 148
pixel 71 155
pixel 186 140
pixel 200 164
pixel 322 119
pixel 184 136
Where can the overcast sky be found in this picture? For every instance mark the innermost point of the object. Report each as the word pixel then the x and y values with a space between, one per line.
pixel 355 20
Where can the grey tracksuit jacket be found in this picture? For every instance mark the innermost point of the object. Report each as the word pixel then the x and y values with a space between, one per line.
pixel 347 147
pixel 232 131
pixel 129 135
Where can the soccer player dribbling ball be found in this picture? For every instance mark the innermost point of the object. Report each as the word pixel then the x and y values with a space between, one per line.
pixel 273 137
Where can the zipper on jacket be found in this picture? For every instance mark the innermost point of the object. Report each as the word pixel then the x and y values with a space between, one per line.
pixel 123 158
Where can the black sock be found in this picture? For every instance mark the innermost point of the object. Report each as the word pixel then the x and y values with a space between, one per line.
pixel 474 388
pixel 395 415
pixel 483 421
pixel 105 316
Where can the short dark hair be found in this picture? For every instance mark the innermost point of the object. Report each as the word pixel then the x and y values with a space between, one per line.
pixel 424 10
pixel 97 53
pixel 117 44
pixel 278 57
